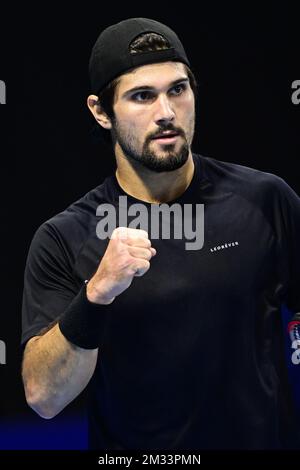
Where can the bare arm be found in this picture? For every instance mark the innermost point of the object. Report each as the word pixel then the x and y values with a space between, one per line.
pixel 55 371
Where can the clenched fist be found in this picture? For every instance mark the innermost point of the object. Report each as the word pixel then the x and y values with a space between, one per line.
pixel 127 255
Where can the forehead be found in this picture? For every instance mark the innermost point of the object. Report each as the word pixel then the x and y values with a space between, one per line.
pixel 153 75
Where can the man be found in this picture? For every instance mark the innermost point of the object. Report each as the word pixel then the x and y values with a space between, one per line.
pixel 180 348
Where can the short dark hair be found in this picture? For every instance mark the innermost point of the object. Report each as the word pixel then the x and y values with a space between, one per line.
pixel 144 43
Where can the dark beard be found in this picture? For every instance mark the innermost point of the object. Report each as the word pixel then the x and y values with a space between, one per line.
pixel 171 160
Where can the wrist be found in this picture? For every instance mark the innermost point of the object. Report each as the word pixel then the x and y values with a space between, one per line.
pixel 96 296
pixel 84 323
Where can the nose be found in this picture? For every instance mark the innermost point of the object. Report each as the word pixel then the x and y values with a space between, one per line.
pixel 164 111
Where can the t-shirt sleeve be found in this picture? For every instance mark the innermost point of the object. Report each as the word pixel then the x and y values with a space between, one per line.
pixel 49 286
pixel 288 212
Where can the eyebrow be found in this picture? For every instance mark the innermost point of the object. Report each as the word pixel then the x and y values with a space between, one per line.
pixel 151 88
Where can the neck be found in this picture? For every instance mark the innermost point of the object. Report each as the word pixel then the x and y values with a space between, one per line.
pixel 149 186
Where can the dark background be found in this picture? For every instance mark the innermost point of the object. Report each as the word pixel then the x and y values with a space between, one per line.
pixel 245 62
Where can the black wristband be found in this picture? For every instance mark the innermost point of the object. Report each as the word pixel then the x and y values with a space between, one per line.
pixel 83 323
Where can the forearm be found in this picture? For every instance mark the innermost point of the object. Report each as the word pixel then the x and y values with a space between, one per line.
pixel 55 371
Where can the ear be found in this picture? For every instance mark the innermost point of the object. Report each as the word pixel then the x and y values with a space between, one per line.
pixel 96 110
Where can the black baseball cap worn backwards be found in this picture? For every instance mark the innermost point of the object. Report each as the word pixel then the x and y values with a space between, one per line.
pixel 111 55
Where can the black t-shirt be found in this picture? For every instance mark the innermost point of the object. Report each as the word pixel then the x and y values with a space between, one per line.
pixel 193 353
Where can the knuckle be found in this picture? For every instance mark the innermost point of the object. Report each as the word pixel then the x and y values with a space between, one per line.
pixel 147 264
pixel 124 260
pixel 143 233
pixel 115 233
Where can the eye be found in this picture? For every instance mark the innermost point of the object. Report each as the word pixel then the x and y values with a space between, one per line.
pixel 178 89
pixel 142 96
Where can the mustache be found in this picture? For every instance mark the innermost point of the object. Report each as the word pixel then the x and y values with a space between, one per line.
pixel 166 127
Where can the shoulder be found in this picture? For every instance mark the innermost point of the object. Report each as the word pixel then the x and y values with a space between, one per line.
pixel 251 183
pixel 70 228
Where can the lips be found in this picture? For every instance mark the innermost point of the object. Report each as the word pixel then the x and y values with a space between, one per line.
pixel 166 135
